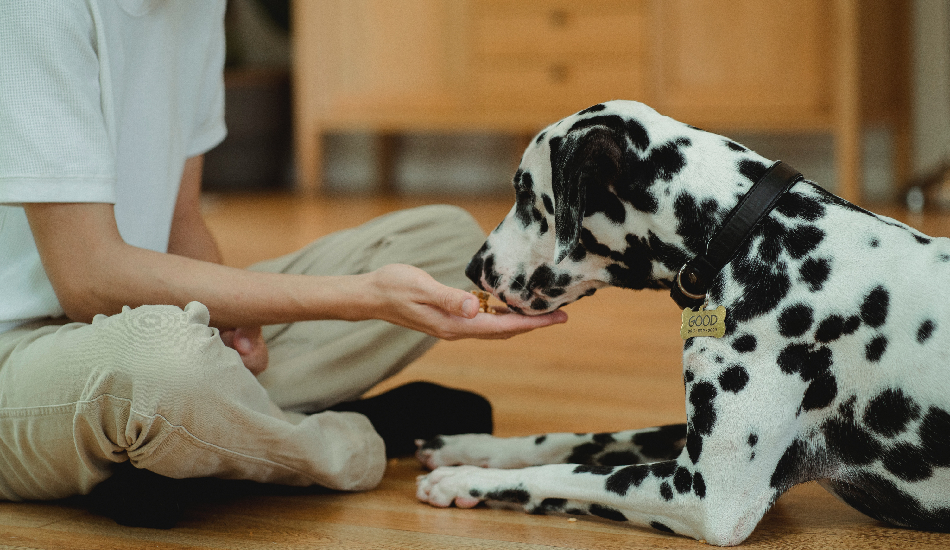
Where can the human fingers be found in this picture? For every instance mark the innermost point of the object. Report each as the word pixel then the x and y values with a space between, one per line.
pixel 249 343
pixel 491 327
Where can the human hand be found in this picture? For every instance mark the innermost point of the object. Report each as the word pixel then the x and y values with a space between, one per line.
pixel 249 343
pixel 410 297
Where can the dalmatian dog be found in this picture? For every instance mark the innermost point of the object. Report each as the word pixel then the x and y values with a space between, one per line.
pixel 834 364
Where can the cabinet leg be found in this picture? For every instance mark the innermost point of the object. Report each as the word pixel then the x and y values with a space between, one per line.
pixel 309 154
pixel 386 148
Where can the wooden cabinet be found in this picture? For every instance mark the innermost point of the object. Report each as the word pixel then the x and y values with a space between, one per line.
pixel 392 66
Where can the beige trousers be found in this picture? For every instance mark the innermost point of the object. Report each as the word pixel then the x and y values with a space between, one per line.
pixel 156 385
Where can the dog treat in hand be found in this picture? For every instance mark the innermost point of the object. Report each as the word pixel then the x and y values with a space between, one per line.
pixel 483 306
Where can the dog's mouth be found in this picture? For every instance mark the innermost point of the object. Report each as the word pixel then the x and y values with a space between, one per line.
pixel 522 293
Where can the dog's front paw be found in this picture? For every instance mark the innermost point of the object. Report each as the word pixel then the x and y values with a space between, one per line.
pixel 450 485
pixel 457 450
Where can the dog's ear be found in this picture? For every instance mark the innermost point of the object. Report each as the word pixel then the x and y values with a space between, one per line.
pixel 581 159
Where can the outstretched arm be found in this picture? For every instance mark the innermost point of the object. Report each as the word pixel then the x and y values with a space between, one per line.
pixel 94 271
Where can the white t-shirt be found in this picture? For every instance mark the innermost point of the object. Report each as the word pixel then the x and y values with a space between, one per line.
pixel 100 101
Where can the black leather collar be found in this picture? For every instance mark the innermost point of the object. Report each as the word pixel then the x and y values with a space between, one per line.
pixel 693 280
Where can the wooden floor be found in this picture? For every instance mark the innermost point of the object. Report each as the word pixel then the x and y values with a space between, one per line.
pixel 615 365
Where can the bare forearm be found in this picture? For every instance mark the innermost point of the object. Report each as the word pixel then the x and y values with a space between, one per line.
pixel 133 276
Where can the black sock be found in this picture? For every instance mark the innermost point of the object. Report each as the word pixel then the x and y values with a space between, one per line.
pixel 422 410
pixel 139 498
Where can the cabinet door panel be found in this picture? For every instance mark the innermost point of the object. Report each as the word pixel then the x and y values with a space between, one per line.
pixel 762 61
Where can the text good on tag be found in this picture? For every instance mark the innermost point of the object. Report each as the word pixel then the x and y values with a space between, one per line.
pixel 705 322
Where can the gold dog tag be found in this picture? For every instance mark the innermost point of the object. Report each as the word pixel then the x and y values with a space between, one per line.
pixel 705 322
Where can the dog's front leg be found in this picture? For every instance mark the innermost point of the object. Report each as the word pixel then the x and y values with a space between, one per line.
pixel 670 496
pixel 658 495
pixel 604 449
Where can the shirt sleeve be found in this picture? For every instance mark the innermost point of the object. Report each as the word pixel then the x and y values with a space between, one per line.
pixel 55 143
pixel 210 127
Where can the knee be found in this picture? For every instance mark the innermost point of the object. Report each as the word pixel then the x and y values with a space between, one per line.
pixel 153 351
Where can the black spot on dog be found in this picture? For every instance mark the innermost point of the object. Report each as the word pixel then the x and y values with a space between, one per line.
pixel 542 277
pixel 795 320
pixel 906 462
pixel 663 469
pixel 889 412
pixel 934 432
pixel 603 438
pixel 764 288
pixel 752 169
pixel 592 109
pixel 944 257
pixel 606 512
pixel 599 470
pixel 792 468
pixel 851 324
pixel 624 478
pixel 922 239
pixel 524 198
pixel 550 505
pixel 875 306
pixel 925 331
pixel 875 242
pixel 802 240
pixel 880 498
pixel 584 453
pixel 734 379
pixel 683 481
pixel 804 360
pixel 689 376
pixel 492 277
pixel 592 245
pixel 820 393
pixel 660 527
pixel 875 349
pixel 634 269
pixel 539 304
pixel 603 199
pixel 735 146
pixel 618 458
pixel 701 396
pixel 849 442
pixel 666 491
pixel 796 205
pixel 548 204
pixel 516 496
pixel 699 485
pixel 830 329
pixel 696 222
pixel 433 444
pixel 744 344
pixel 664 442
pixel 540 439
pixel 540 138
pixel 694 445
pixel 753 440
pixel 814 273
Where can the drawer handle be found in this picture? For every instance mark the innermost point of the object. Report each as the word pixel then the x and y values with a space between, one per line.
pixel 559 18
pixel 559 73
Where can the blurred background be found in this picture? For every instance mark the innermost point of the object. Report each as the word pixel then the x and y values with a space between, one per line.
pixel 422 97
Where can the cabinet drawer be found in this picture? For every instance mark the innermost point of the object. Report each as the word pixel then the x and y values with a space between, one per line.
pixel 545 28
pixel 557 84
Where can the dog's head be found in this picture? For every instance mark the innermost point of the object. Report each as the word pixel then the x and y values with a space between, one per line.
pixel 601 200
